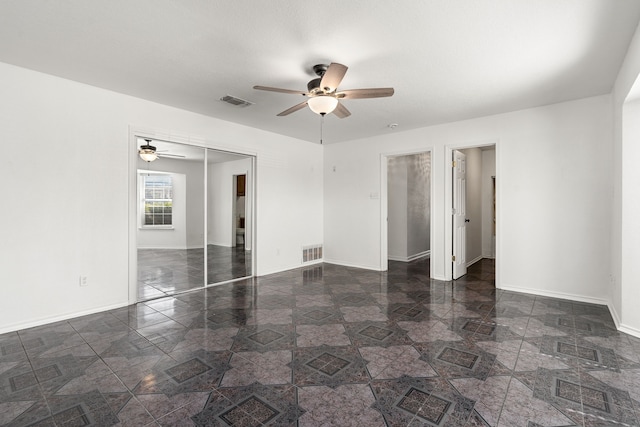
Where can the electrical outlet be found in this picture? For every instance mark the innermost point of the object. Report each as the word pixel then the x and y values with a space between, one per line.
pixel 83 281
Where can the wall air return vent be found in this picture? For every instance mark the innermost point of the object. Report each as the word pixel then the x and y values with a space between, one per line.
pixel 235 101
pixel 311 253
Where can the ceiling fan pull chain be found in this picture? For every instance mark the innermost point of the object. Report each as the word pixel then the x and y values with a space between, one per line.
pixel 321 125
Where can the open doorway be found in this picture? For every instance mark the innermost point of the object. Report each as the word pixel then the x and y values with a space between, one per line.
pixel 407 207
pixel 473 198
pixel 239 210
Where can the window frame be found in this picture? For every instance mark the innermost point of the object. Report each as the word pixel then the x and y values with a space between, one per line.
pixel 143 200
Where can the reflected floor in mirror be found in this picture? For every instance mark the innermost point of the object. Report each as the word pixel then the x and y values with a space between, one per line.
pixel 329 346
pixel 163 272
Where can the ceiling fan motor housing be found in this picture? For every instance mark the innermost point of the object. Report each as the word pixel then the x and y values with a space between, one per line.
pixel 313 86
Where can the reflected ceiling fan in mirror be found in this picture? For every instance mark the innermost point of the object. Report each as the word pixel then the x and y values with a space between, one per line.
pixel 323 95
pixel 149 153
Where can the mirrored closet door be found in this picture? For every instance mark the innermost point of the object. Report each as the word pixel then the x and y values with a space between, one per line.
pixel 194 216
pixel 229 216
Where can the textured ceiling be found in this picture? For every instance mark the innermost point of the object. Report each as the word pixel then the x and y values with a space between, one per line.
pixel 448 60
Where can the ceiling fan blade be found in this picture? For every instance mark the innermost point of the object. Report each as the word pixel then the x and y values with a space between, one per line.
pixel 333 76
pixel 170 155
pixel 276 89
pixel 341 111
pixel 293 109
pixel 380 92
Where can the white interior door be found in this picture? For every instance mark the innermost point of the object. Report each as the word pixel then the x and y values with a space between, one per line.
pixel 459 215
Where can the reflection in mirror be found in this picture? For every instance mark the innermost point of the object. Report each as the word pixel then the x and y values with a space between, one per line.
pixel 229 216
pixel 170 215
pixel 190 198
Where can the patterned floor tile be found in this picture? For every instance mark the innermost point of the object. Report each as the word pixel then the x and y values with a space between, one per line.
pixel 578 352
pixel 585 395
pixel 271 367
pixel 319 300
pixel 488 394
pixel 251 405
pixel 86 409
pixel 394 362
pixel 24 409
pixel 317 335
pixel 412 312
pixel 346 405
pixel 429 401
pixel 506 352
pixel 328 344
pixel 454 359
pixel 429 331
pixel 199 371
pixel 192 339
pixel 531 358
pixel 264 338
pixel 361 313
pixel 329 366
pixel 521 408
pixel 317 315
pixel 182 415
pixel 274 316
pixel 381 334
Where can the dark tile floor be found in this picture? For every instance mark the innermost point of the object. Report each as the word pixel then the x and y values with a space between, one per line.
pixel 164 272
pixel 324 346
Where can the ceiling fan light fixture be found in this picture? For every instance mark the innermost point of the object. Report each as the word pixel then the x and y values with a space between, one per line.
pixel 148 153
pixel 322 104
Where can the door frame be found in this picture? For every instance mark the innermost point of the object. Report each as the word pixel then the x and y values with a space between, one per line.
pixel 194 141
pixel 448 203
pixel 384 204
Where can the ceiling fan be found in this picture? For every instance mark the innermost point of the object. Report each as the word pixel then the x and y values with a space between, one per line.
pixel 149 153
pixel 323 92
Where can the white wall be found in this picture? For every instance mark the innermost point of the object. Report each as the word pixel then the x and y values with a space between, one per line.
pixel 221 199
pixel 488 172
pixel 554 164
pixel 624 291
pixel 77 138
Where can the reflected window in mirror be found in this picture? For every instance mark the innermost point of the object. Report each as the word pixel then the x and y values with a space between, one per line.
pixel 156 202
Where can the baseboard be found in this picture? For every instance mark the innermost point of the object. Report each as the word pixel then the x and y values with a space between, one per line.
pixel 552 294
pixel 473 261
pixel 629 330
pixel 347 264
pixel 424 254
pixel 614 314
pixel 181 248
pixel 289 268
pixel 223 244
pixel 47 320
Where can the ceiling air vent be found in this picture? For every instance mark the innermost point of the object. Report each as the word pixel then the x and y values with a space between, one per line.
pixel 235 101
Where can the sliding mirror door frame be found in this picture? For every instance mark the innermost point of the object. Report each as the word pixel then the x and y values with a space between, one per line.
pixel 135 138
